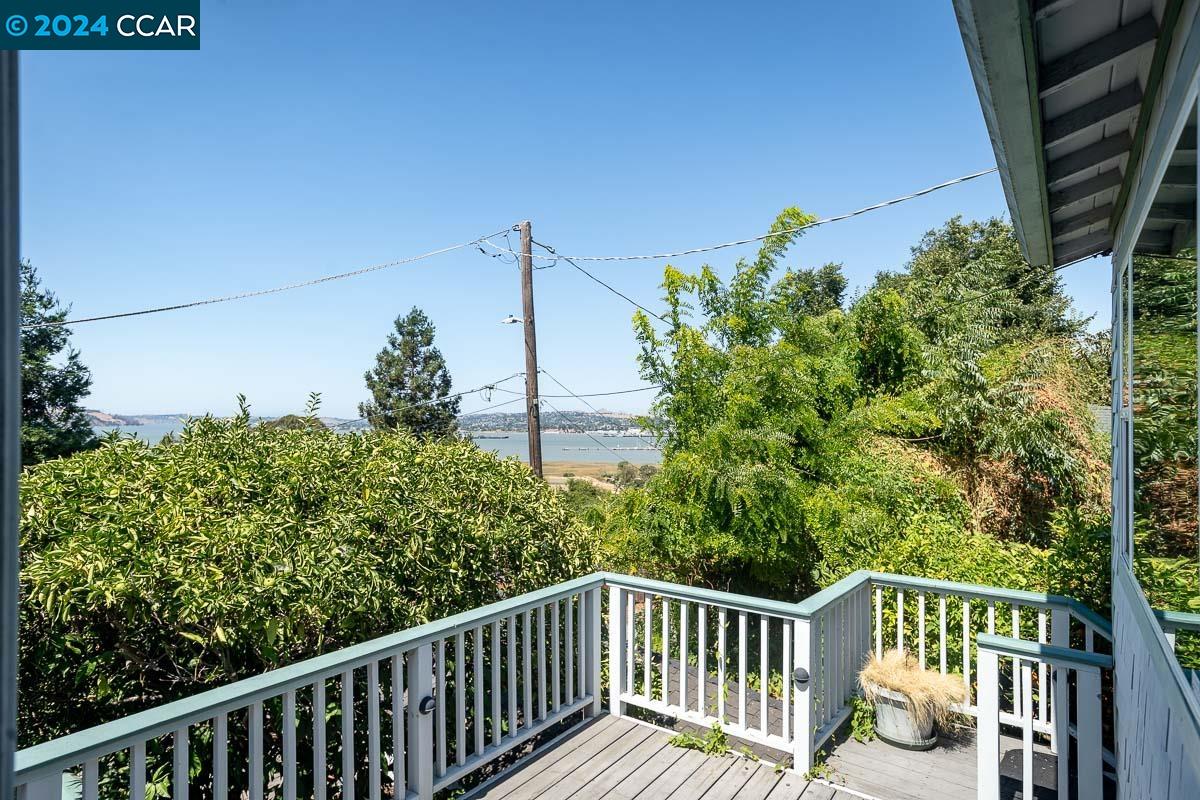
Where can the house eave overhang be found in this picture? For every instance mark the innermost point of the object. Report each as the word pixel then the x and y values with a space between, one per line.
pixel 998 40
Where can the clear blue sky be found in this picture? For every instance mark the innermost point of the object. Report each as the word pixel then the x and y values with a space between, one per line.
pixel 306 138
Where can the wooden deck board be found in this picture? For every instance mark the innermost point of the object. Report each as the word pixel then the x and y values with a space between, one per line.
pixel 947 771
pixel 621 759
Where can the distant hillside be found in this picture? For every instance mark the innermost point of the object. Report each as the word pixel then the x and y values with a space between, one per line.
pixel 129 420
pixel 513 421
pixel 551 421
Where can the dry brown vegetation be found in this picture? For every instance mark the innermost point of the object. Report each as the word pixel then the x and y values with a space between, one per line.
pixel 931 695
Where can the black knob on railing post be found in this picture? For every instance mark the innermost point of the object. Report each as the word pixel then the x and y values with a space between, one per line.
pixel 427 704
pixel 800 677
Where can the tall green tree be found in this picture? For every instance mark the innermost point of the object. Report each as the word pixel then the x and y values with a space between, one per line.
pixel 54 380
pixel 410 384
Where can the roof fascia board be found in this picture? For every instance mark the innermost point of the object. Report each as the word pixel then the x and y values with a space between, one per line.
pixel 998 39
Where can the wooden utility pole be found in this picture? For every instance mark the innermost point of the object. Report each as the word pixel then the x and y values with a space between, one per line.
pixel 531 367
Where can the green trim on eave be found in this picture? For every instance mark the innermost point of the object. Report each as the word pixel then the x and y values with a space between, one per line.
pixel 1158 66
pixel 1028 38
pixel 1036 651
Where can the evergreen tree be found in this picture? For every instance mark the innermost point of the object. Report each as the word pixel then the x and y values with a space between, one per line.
pixel 410 383
pixel 53 378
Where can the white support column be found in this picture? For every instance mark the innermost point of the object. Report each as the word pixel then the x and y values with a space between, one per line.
pixel 616 650
pixel 420 725
pixel 592 645
pixel 802 747
pixel 1060 636
pixel 988 730
pixel 1087 726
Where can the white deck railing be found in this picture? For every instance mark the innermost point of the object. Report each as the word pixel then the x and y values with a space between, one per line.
pixel 1069 669
pixel 455 694
pixel 420 710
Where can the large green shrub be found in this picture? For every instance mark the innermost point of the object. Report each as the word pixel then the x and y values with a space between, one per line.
pixel 150 573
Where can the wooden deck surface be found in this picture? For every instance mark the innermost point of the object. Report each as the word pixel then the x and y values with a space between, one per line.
pixel 947 771
pixel 621 759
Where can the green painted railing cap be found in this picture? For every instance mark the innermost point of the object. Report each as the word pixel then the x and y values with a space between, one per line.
pixel 1179 619
pixel 1023 648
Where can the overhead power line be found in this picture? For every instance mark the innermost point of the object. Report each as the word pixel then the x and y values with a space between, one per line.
pixel 578 428
pixel 494 385
pixel 586 403
pixel 763 237
pixel 261 292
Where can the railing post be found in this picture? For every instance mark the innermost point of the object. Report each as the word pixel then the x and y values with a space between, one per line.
pixel 1087 726
pixel 592 640
pixel 988 730
pixel 420 722
pixel 616 651
pixel 802 743
pixel 1060 636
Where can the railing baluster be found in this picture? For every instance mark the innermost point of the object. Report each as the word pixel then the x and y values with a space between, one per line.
pixel 556 660
pixel 347 739
pixel 966 653
pixel 991 616
pixel 1026 693
pixel 527 669
pixel 630 644
pixel 137 772
pixel 320 769
pixel 764 673
pixel 255 773
pixel 91 779
pixel 477 664
pixel 648 625
pixel 510 668
pixel 665 664
pixel 180 763
pixel 399 782
pixel 787 680
pixel 1019 708
pixel 543 678
pixel 942 633
pixel 439 707
pixel 683 655
pixel 921 628
pixel 742 669
pixel 460 699
pixel 374 785
pixel 722 621
pixel 570 620
pixel 1041 671
pixel 497 693
pixel 581 663
pixel 289 745
pixel 900 620
pixel 701 656
pixel 878 621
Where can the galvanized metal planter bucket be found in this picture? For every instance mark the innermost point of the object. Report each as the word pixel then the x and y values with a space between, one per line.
pixel 894 725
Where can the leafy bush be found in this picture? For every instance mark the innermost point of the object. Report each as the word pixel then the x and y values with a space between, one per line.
pixel 151 573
